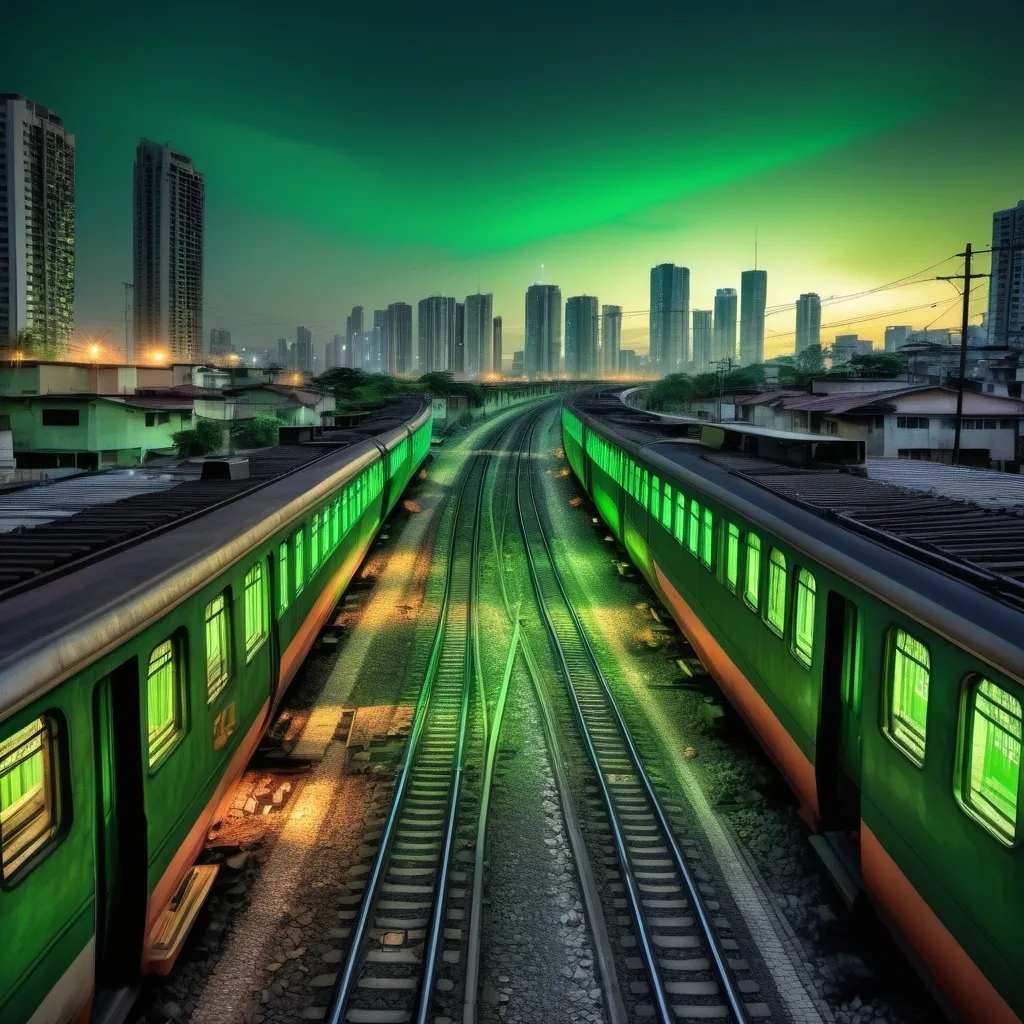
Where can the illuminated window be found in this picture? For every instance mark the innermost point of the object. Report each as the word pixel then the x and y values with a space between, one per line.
pixel 707 538
pixel 336 521
pixel 990 744
pixel 282 578
pixel 666 508
pixel 218 647
pixel 803 617
pixel 693 530
pixel 164 704
pixel 655 498
pixel 752 571
pixel 680 525
pixel 907 696
pixel 775 613
pixel 30 812
pixel 732 556
pixel 300 562
pixel 314 544
pixel 255 610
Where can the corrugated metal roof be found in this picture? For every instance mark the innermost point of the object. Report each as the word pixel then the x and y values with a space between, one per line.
pixel 984 487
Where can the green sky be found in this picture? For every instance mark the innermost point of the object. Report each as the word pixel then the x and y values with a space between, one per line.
pixel 367 153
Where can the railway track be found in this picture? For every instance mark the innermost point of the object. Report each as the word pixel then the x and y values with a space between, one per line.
pixel 688 967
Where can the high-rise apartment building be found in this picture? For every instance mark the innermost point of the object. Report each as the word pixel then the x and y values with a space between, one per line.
pixel 496 354
pixel 284 353
pixel 479 334
pixel 543 352
pixel 169 218
pixel 302 350
pixel 896 336
pixel 519 364
pixel 627 361
pixel 436 332
pixel 220 342
pixel 581 336
pixel 611 338
pixel 1005 319
pixel 398 337
pixel 808 321
pixel 457 346
pixel 753 297
pixel 670 318
pixel 37 225
pixel 701 340
pixel 353 329
pixel 724 346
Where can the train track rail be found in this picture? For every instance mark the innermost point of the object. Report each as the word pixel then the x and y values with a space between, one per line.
pixel 688 966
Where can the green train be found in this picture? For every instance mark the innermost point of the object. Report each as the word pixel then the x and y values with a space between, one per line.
pixel 134 687
pixel 883 675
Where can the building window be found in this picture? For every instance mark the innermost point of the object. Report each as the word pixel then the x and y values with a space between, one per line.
pixel 255 610
pixel 218 647
pixel 990 741
pixel 707 537
pixel 732 556
pixel 30 811
pixel 282 578
pixel 300 562
pixel 907 697
pixel 912 422
pixel 60 418
pixel 156 419
pixel 752 571
pixel 164 703
pixel 803 618
pixel 775 613
pixel 693 532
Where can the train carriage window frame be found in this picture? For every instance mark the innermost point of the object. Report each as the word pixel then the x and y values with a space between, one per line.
pixel 299 548
pixel 989 737
pixel 163 739
pixel 283 581
pixel 314 544
pixel 775 605
pixel 707 538
pixel 903 691
pixel 680 521
pixel 29 833
pixel 752 571
pixel 257 624
pixel 693 528
pixel 218 639
pixel 655 498
pixel 666 508
pixel 804 604
pixel 731 557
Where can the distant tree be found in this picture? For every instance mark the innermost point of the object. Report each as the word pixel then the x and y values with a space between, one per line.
pixel 205 438
pixel 810 360
pixel 341 379
pixel 744 379
pixel 885 365
pixel 258 432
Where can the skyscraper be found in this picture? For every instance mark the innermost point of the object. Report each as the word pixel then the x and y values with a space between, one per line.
pixel 808 321
pixel 353 328
pixel 436 332
pixel 168 252
pixel 397 340
pixel 581 338
pixel 753 297
pixel 479 327
pixel 896 336
pixel 284 355
pixel 543 352
pixel 670 318
pixel 220 342
pixel 336 352
pixel 701 340
pixel 302 351
pixel 1005 319
pixel 724 346
pixel 457 346
pixel 496 362
pixel 611 338
pixel 37 224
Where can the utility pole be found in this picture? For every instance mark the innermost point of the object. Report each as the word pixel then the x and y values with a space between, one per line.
pixel 127 343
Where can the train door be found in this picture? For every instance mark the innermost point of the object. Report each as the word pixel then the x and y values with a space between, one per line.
pixel 121 852
pixel 838 760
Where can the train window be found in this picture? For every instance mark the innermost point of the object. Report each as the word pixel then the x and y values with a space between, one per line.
pixel 282 578
pixel 255 610
pixel 666 508
pixel 693 530
pixel 680 516
pixel 165 706
pixel 645 492
pixel 803 618
pixel 655 498
pixel 775 613
pixel 218 646
pixel 752 571
pixel 707 538
pixel 990 742
pixel 907 698
pixel 30 810
pixel 300 561
pixel 732 556
pixel 314 544
pixel 336 522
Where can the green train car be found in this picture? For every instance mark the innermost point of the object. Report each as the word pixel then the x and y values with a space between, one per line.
pixel 135 685
pixel 882 673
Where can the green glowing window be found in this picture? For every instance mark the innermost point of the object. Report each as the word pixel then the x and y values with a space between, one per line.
pixel 990 744
pixel 218 647
pixel 255 610
pixel 803 618
pixel 164 704
pixel 336 522
pixel 693 529
pixel 907 694
pixel 707 538
pixel 680 523
pixel 752 571
pixel 775 613
pixel 655 498
pixel 30 810
pixel 645 492
pixel 852 643
pixel 666 509
pixel 314 544
pixel 300 561
pixel 732 556
pixel 282 578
